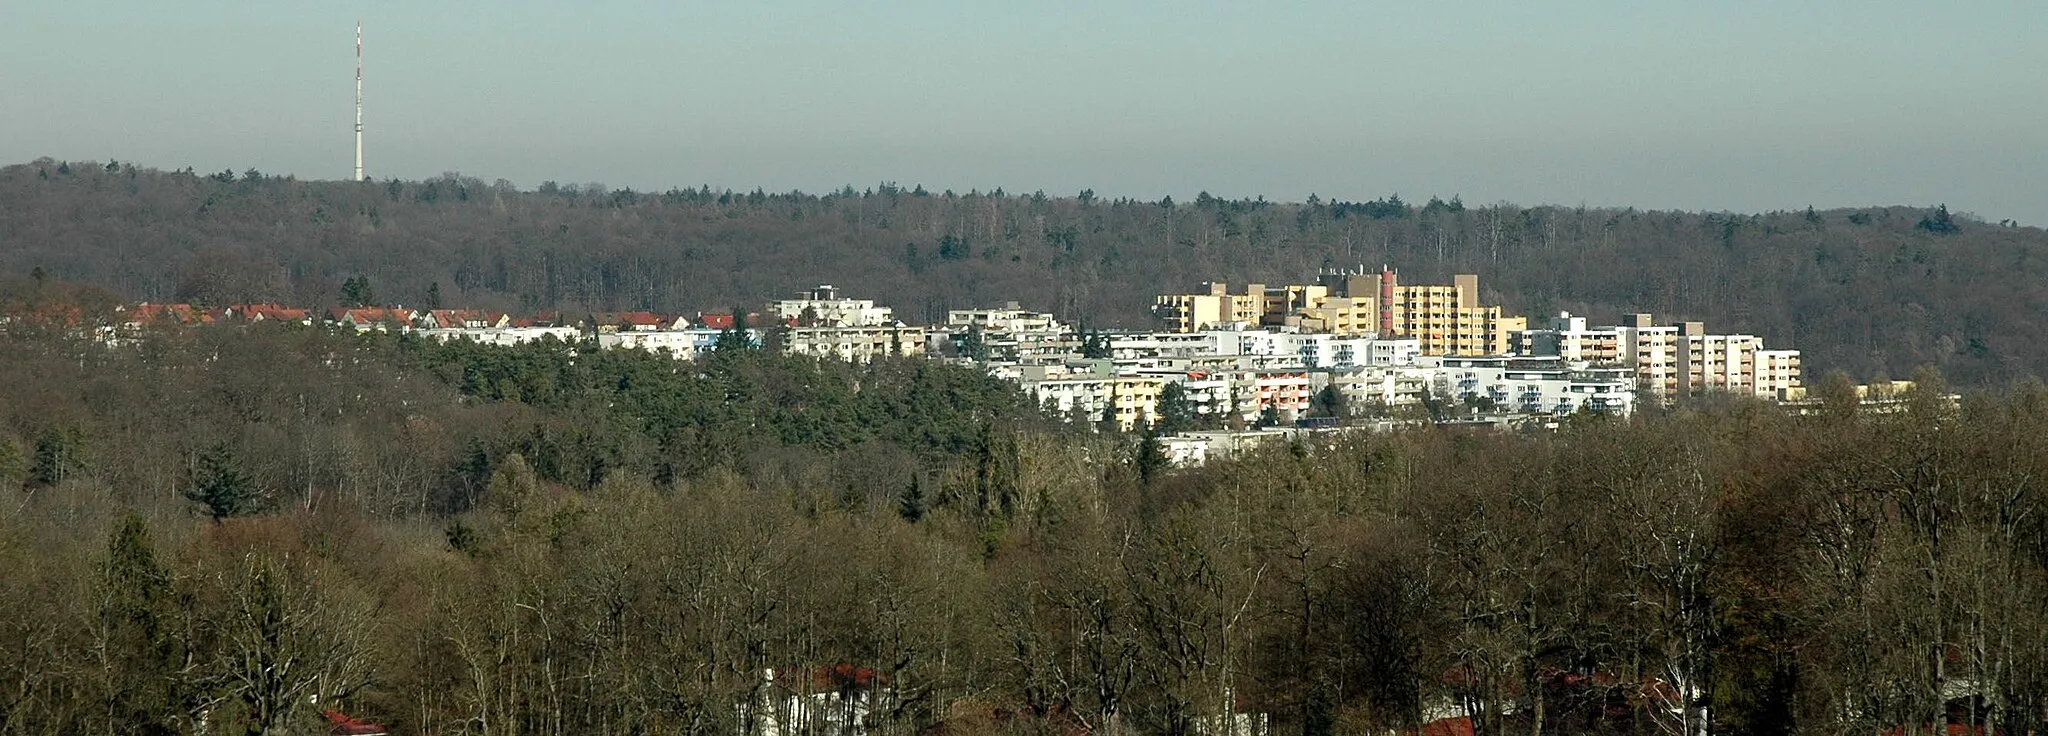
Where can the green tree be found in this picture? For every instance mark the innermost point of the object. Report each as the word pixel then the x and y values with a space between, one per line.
pixel 972 344
pixel 221 485
pixel 1095 346
pixel 1150 458
pixel 1939 222
pixel 136 635
pixel 911 505
pixel 1176 410
pixel 1269 417
pixel 355 292
pixel 1327 403
pixel 434 295
pixel 735 338
pixel 60 454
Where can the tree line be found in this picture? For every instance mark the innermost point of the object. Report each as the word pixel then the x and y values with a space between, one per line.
pixel 232 529
pixel 1873 291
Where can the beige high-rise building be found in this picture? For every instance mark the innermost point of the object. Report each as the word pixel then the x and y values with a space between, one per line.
pixel 1211 308
pixel 1449 320
pixel 1446 319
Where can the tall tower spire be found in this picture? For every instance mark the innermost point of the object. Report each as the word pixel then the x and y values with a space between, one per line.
pixel 359 100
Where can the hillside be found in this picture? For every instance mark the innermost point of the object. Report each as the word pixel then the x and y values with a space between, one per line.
pixel 1869 291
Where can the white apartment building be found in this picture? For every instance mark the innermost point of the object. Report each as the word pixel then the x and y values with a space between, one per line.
pixel 1778 372
pixel 1008 318
pixel 1680 359
pixel 823 307
pixel 1534 385
pixel 1385 387
pixel 1132 401
pixel 503 336
pixel 855 344
pixel 1140 345
pixel 1569 339
pixel 680 344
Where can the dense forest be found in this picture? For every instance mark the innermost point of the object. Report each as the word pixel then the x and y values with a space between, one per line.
pixel 1876 292
pixel 229 529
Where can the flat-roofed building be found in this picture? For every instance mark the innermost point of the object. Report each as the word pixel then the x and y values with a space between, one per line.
pixel 824 307
pixel 855 344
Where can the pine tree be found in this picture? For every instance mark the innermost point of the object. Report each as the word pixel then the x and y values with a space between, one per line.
pixel 60 454
pixel 911 505
pixel 220 484
pixel 134 615
pixel 1151 458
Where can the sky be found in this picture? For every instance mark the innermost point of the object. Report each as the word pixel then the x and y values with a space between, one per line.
pixel 1738 105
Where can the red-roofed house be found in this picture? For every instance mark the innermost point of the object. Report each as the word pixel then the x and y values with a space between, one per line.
pixel 158 315
pixel 649 321
pixel 365 319
pixel 473 319
pixel 270 313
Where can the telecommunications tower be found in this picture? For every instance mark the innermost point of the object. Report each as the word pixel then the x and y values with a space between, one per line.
pixel 359 101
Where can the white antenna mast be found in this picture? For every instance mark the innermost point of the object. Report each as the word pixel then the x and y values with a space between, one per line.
pixel 359 100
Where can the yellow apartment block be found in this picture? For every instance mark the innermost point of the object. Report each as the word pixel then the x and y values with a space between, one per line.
pixel 1447 319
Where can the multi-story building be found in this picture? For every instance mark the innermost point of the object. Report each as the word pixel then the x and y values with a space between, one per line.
pixel 1130 401
pixel 1533 385
pixel 1214 306
pixel 1449 320
pixel 857 344
pixel 1683 358
pixel 1381 388
pixel 1568 338
pixel 823 307
pixel 1778 372
pixel 1287 392
pixel 503 336
pixel 682 344
pixel 1444 319
pixel 1008 318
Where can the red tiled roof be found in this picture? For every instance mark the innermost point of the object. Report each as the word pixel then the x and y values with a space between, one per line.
pixel 269 311
pixel 339 724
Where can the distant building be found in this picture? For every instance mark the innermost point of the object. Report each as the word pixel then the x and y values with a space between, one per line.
pixel 824 307
pixel 856 344
pixel 1443 319
pixel 1533 385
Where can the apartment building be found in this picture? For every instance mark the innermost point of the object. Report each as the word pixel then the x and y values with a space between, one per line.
pixel 1449 320
pixel 1008 318
pixel 1131 401
pixel 857 344
pixel 1778 372
pixel 1287 392
pixel 1212 307
pixel 1568 338
pixel 824 307
pixel 1683 358
pixel 1445 319
pixel 1382 387
pixel 682 344
pixel 1534 385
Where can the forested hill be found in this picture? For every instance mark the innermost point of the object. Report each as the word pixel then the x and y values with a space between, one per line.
pixel 1874 291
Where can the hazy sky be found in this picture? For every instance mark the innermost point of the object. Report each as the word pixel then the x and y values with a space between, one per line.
pixel 1722 104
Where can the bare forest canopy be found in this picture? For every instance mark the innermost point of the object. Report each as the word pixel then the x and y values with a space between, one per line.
pixel 1877 292
pixel 208 531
